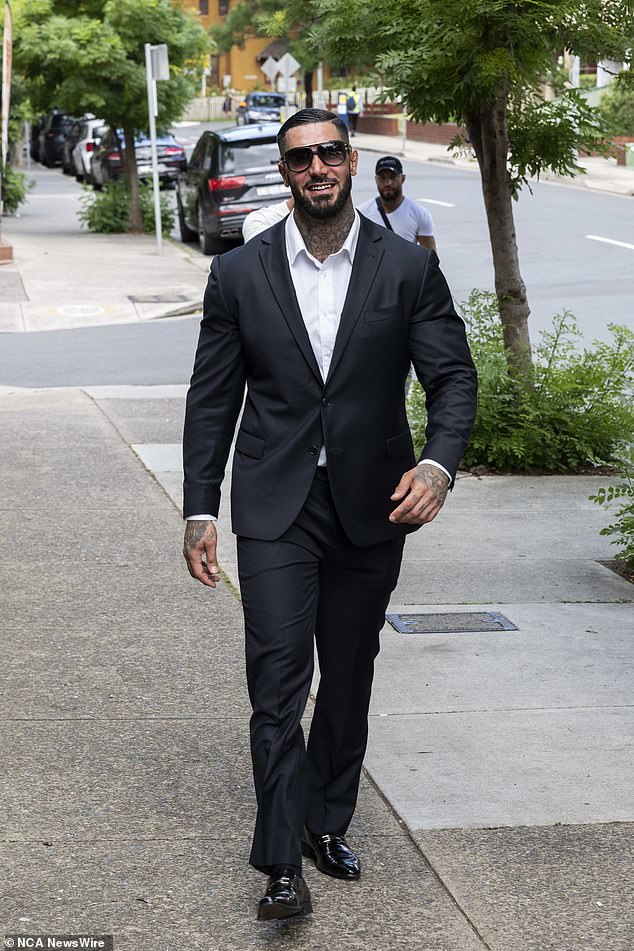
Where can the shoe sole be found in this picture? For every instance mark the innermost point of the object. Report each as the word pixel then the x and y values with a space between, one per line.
pixel 273 912
pixel 309 853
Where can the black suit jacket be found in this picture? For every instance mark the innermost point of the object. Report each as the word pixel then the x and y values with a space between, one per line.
pixel 398 309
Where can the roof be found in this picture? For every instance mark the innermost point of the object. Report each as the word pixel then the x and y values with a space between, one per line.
pixel 276 49
pixel 241 133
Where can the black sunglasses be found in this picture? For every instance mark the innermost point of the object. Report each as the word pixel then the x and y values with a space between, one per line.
pixel 330 153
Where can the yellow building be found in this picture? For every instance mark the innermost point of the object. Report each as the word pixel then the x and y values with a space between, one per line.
pixel 238 69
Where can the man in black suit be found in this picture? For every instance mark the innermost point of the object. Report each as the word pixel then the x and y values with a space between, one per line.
pixel 319 317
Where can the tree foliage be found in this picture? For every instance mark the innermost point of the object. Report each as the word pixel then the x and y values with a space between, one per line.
pixel 88 56
pixel 292 20
pixel 484 63
pixel 617 105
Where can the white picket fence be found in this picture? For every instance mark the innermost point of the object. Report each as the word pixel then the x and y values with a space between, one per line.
pixel 209 108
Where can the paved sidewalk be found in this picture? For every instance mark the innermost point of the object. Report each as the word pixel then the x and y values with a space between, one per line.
pixel 496 811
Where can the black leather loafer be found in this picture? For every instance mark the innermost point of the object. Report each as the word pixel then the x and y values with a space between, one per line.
pixel 285 895
pixel 332 855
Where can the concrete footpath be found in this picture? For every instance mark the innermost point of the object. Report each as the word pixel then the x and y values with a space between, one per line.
pixel 496 810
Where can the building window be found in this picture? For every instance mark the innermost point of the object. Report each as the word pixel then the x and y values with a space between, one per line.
pixel 203 7
pixel 214 70
pixel 223 7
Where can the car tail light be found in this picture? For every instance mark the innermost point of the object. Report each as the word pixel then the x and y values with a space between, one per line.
pixel 90 146
pixel 172 150
pixel 113 156
pixel 224 184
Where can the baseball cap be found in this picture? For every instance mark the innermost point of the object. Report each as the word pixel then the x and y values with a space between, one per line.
pixel 389 163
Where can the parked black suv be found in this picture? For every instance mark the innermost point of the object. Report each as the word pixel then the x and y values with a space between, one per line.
pixel 231 172
pixel 55 128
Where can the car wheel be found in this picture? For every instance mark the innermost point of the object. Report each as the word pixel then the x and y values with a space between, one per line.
pixel 187 233
pixel 209 244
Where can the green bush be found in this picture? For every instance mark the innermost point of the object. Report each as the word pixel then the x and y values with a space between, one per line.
pixel 623 526
pixel 617 105
pixel 579 412
pixel 108 211
pixel 15 188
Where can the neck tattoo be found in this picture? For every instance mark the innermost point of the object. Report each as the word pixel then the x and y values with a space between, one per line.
pixel 324 237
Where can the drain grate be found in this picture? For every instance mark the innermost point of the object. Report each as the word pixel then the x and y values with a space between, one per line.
pixel 467 622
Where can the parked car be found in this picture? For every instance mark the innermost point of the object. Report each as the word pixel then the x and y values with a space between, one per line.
pixel 106 165
pixel 34 146
pixel 230 173
pixel 55 128
pixel 90 135
pixel 260 107
pixel 68 167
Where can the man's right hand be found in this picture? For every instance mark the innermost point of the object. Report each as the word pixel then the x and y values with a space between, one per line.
pixel 200 540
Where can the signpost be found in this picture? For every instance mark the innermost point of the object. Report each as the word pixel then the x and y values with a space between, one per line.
pixel 287 65
pixel 156 68
pixel 270 69
pixel 6 253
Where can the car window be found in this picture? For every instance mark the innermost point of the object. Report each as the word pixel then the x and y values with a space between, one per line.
pixel 262 99
pixel 198 155
pixel 245 156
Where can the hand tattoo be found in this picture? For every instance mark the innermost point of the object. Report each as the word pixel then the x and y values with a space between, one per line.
pixel 433 478
pixel 195 531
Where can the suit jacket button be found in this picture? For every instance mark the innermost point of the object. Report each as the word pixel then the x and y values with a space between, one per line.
pixel 314 450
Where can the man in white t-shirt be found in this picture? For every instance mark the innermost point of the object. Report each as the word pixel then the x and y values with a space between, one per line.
pixel 263 218
pixel 393 210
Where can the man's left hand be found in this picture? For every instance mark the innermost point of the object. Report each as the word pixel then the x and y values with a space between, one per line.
pixel 423 491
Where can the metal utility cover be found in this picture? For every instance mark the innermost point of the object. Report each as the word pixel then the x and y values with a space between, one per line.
pixel 467 622
pixel 159 298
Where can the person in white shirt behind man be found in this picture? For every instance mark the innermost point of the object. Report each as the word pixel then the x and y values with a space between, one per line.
pixel 263 218
pixel 393 210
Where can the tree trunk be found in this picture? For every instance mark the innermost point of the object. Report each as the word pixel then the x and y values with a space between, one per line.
pixel 308 88
pixel 489 137
pixel 132 182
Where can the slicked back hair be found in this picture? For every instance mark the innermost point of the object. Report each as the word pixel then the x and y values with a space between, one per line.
pixel 307 117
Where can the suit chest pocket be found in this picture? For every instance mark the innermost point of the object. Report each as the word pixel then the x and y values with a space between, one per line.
pixel 382 315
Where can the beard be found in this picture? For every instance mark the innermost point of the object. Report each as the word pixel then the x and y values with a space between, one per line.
pixel 323 210
pixel 391 192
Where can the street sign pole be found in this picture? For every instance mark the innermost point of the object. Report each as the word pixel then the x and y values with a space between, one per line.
pixel 270 69
pixel 156 67
pixel 287 65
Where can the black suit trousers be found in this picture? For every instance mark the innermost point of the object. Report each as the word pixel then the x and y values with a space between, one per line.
pixel 311 585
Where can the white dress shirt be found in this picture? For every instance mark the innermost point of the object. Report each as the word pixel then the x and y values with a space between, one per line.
pixel 321 288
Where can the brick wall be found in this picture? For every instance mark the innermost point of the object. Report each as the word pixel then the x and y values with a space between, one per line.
pixel 378 125
pixel 416 131
pixel 432 132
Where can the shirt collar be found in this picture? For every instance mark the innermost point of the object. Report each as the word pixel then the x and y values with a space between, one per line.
pixel 295 243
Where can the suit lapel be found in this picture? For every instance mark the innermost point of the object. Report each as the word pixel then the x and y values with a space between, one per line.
pixel 367 259
pixel 275 266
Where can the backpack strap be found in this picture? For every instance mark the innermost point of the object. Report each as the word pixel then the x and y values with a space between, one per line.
pixel 382 214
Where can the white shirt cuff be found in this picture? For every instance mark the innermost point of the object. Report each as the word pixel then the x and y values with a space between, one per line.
pixel 201 518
